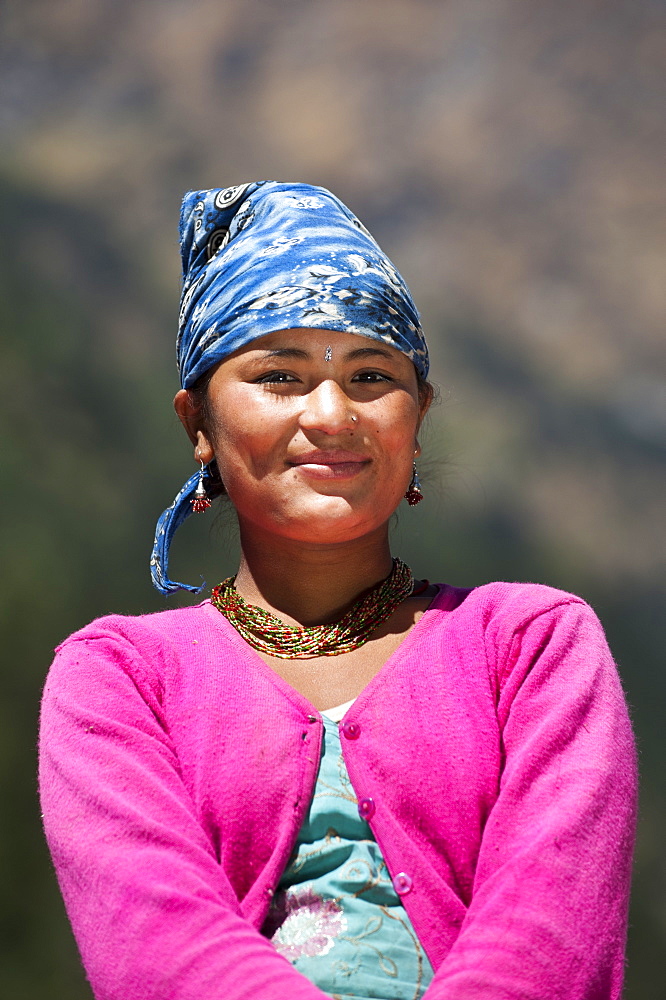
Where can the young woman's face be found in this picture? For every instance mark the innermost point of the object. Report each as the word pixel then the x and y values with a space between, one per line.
pixel 314 432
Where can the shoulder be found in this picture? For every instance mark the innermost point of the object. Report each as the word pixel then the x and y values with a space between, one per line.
pixel 512 606
pixel 144 646
pixel 142 630
pixel 520 599
pixel 514 620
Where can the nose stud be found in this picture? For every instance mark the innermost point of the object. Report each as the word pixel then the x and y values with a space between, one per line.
pixel 353 418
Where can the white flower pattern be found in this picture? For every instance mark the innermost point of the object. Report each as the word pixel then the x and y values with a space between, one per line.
pixel 310 924
pixel 280 246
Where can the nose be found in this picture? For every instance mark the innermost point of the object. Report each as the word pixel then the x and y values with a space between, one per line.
pixel 328 409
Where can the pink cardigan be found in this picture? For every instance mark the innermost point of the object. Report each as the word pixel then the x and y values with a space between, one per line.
pixel 176 769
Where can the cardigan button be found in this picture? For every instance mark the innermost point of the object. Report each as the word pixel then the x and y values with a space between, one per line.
pixel 402 883
pixel 366 808
pixel 351 730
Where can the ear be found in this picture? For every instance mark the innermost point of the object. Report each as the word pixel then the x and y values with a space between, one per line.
pixel 191 417
pixel 425 399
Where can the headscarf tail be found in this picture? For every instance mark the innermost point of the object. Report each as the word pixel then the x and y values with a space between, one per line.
pixel 169 522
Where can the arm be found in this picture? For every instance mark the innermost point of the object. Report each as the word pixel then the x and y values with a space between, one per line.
pixel 154 916
pixel 547 920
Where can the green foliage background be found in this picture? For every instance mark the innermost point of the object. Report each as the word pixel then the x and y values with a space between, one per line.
pixel 507 161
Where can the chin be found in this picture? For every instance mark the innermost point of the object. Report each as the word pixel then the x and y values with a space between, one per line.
pixel 333 521
pixel 315 518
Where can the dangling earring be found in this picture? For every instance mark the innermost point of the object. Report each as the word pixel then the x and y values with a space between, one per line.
pixel 414 494
pixel 201 501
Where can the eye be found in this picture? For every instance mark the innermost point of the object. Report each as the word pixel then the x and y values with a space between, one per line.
pixel 371 377
pixel 278 377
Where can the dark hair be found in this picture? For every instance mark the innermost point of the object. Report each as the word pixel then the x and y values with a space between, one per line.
pixel 427 390
pixel 199 393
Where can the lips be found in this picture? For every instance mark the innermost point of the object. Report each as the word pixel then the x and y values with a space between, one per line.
pixel 330 464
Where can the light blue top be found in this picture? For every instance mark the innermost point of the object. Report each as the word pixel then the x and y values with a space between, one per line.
pixel 336 915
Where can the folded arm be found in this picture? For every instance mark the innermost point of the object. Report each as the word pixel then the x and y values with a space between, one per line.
pixel 154 916
pixel 547 920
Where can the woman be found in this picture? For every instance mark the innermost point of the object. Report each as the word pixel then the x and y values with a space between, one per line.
pixel 331 778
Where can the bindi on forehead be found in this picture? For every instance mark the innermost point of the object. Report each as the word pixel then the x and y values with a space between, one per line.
pixel 354 354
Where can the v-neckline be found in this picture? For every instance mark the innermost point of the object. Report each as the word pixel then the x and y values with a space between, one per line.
pixel 444 600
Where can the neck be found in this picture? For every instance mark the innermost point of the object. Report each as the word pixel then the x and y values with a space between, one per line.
pixel 310 584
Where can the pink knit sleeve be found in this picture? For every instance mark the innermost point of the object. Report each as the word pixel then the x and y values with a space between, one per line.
pixel 152 912
pixel 547 920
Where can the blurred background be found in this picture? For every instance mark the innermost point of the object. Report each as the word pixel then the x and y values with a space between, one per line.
pixel 507 157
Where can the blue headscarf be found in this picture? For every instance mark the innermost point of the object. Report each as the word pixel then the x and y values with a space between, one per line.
pixel 264 257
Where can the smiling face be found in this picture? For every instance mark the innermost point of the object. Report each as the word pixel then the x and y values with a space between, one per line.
pixel 314 433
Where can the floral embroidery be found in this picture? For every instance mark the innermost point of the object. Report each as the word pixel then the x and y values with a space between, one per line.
pixel 336 915
pixel 309 923
pixel 340 786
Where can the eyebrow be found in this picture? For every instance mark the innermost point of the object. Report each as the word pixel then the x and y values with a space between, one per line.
pixel 300 354
pixel 365 352
pixel 286 352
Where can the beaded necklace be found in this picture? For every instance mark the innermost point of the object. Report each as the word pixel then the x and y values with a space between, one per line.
pixel 268 634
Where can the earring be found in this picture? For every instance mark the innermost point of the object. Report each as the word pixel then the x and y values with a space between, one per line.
pixel 414 494
pixel 200 501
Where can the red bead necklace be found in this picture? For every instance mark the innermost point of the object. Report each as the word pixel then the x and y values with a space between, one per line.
pixel 269 634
